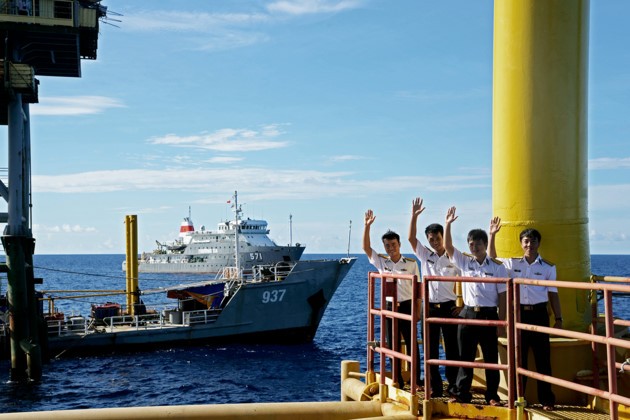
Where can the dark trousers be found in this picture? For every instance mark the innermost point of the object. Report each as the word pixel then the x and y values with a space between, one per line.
pixel 404 331
pixel 539 343
pixel 451 348
pixel 468 337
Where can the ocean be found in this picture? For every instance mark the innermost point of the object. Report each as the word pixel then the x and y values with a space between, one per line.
pixel 212 374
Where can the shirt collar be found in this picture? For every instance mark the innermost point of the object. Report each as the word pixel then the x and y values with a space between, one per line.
pixel 537 260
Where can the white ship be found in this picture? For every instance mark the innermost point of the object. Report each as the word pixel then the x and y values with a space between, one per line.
pixel 204 251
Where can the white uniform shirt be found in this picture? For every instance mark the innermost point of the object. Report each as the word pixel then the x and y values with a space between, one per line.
pixel 480 294
pixel 538 270
pixel 405 265
pixel 435 265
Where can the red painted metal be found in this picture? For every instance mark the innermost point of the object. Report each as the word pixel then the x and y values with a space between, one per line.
pixel 460 321
pixel 515 388
pixel 608 340
pixel 388 290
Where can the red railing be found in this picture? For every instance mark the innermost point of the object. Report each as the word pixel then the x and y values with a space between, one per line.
pixel 509 367
pixel 514 326
pixel 389 290
pixel 608 340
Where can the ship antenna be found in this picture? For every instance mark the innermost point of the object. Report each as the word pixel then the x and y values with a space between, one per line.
pixel 236 219
pixel 189 213
pixel 349 232
pixel 290 230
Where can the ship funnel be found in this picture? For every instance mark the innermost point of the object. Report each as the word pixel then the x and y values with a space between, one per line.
pixel 186 228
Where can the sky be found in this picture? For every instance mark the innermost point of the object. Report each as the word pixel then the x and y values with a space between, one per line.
pixel 315 109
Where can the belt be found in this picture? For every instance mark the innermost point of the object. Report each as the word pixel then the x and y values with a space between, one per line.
pixel 446 304
pixel 482 308
pixel 533 307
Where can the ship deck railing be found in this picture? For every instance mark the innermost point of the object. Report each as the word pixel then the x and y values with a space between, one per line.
pixel 118 323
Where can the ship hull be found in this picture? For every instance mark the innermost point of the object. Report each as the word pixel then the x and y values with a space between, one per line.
pixel 287 311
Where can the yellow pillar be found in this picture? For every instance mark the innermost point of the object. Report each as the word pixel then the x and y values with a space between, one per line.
pixel 131 226
pixel 539 132
pixel 128 264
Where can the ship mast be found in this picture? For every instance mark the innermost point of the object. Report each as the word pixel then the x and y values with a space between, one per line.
pixel 349 233
pixel 237 212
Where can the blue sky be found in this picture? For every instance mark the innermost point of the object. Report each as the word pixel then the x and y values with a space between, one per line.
pixel 319 109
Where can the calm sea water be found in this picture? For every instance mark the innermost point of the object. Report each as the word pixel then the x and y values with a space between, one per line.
pixel 206 374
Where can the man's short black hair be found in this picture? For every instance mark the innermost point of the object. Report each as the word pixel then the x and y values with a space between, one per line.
pixel 531 234
pixel 434 228
pixel 390 234
pixel 478 234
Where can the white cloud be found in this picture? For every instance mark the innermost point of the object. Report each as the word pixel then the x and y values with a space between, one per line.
pixel 224 159
pixel 258 182
pixel 221 31
pixel 609 197
pixel 309 7
pixel 609 163
pixel 346 158
pixel 74 105
pixel 65 228
pixel 187 22
pixel 227 140
pixel 229 40
pixel 146 210
pixel 609 236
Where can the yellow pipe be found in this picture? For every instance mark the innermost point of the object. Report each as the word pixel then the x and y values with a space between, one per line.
pixel 279 411
pixel 347 368
pixel 135 297
pixel 612 279
pixel 539 133
pixel 355 390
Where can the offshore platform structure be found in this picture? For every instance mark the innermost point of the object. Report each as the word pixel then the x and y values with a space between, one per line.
pixel 39 38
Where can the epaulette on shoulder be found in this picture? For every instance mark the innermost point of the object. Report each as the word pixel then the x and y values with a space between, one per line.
pixel 468 255
pixel 547 262
pixel 497 261
pixel 384 256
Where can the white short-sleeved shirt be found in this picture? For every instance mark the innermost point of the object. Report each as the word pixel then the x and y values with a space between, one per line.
pixel 480 294
pixel 435 265
pixel 405 265
pixel 540 269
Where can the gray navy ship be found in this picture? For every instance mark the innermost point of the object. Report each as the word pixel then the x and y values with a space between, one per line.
pixel 202 251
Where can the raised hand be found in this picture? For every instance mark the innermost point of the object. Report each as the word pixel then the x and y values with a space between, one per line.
pixel 416 206
pixel 450 216
pixel 495 225
pixel 369 218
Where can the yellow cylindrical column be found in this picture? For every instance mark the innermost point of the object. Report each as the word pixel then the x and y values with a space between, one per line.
pixel 128 286
pixel 131 227
pixel 135 297
pixel 539 132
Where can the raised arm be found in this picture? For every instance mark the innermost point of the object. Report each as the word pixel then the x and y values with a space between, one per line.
pixel 495 227
pixel 416 209
pixel 448 239
pixel 367 246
